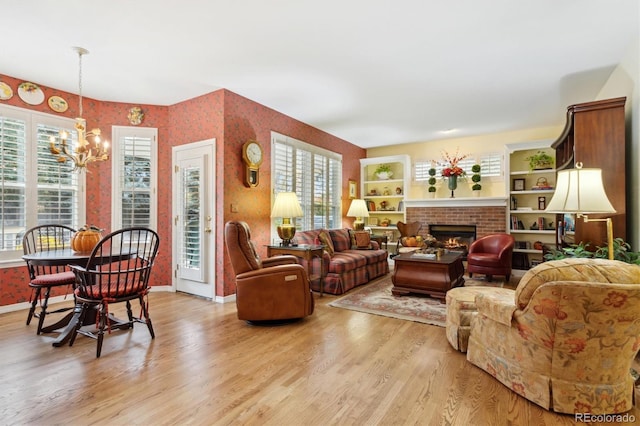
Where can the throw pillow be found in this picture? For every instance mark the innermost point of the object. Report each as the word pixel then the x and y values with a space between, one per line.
pixel 325 240
pixel 363 240
pixel 360 240
pixel 341 239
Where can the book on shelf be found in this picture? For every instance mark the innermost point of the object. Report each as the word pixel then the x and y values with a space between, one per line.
pixel 516 223
pixel 541 226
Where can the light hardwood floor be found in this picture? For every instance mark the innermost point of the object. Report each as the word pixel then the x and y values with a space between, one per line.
pixel 206 367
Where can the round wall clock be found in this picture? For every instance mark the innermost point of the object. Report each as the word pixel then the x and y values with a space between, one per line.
pixel 252 154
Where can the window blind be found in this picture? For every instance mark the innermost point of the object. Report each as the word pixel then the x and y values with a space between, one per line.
pixel 134 163
pixel 490 165
pixel 315 175
pixel 35 188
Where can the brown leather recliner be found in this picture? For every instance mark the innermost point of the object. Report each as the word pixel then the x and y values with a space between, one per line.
pixel 491 255
pixel 274 289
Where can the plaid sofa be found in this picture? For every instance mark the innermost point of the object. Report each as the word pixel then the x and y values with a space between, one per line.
pixel 346 268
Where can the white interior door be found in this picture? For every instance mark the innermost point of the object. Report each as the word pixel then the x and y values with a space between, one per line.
pixel 193 218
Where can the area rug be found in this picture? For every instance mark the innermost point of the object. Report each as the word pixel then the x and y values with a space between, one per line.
pixel 376 298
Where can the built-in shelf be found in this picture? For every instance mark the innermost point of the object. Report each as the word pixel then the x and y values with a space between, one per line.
pixel 532 172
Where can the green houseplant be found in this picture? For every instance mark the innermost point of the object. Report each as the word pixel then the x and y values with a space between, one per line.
pixel 475 178
pixel 621 251
pixel 383 172
pixel 539 161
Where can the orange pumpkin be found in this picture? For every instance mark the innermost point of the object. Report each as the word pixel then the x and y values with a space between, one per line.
pixel 85 241
pixel 411 242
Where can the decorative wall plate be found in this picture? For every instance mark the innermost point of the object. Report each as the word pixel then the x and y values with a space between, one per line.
pixel 58 104
pixel 30 93
pixel 135 116
pixel 6 92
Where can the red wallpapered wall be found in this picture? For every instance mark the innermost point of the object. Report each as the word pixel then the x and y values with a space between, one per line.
pixel 230 119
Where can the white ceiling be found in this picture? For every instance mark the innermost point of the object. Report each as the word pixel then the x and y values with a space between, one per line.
pixel 373 72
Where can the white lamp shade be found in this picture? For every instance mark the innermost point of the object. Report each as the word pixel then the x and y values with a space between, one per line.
pixel 286 205
pixel 358 208
pixel 580 191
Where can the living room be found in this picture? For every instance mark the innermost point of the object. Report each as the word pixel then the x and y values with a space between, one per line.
pixel 232 119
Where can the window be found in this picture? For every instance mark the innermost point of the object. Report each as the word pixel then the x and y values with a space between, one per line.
pixel 314 174
pixel 490 165
pixel 134 161
pixel 35 188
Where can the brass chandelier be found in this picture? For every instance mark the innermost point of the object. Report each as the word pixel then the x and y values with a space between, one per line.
pixel 84 153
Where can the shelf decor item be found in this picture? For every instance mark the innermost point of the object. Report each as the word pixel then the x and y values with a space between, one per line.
pixel 518 184
pixel 540 161
pixel 451 170
pixel 384 172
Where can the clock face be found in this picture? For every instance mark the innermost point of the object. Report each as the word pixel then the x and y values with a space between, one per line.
pixel 254 153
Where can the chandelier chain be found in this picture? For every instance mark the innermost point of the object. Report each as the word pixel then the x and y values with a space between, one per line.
pixel 80 80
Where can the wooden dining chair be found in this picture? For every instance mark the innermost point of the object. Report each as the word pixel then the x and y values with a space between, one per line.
pixel 46 277
pixel 120 268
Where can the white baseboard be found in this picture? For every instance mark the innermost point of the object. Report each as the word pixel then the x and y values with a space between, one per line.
pixel 60 299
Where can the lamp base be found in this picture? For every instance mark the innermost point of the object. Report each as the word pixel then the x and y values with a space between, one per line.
pixel 358 225
pixel 286 232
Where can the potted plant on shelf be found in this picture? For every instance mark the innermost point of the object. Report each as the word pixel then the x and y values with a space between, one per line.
pixel 475 178
pixel 540 161
pixel 432 182
pixel 384 172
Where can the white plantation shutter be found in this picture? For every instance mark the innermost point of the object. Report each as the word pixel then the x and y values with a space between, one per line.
pixel 35 189
pixel 58 199
pixel 134 159
pixel 490 165
pixel 314 174
pixel 13 187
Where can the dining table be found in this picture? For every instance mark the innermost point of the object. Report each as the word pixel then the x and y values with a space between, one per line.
pixel 67 256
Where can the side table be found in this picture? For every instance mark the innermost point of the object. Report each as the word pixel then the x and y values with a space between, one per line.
pixel 306 252
pixel 381 239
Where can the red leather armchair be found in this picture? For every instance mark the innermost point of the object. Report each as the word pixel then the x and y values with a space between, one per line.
pixel 491 255
pixel 274 289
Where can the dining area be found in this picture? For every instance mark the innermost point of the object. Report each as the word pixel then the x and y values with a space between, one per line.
pixel 96 272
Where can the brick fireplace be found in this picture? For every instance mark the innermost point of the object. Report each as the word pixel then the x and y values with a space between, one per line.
pixel 487 214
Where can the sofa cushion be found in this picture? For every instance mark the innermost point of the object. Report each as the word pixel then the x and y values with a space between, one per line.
pixel 346 261
pixel 341 239
pixel 308 237
pixel 325 239
pixel 370 256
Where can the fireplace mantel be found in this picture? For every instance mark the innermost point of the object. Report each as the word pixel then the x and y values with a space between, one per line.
pixel 458 202
pixel 489 214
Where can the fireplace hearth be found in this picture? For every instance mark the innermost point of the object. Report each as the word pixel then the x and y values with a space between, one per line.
pixel 454 237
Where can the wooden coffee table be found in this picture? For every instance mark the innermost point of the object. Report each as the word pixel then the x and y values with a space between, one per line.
pixel 433 277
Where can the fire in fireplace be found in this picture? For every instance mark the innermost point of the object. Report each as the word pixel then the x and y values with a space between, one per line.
pixel 454 237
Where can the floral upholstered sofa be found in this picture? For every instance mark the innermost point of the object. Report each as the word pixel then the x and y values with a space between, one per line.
pixel 348 263
pixel 566 337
